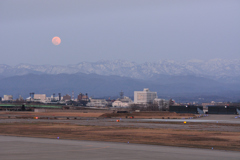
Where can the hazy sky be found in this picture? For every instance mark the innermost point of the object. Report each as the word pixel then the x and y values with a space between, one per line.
pixel 134 30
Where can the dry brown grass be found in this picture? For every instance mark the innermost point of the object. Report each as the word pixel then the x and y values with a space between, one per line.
pixel 148 115
pixel 160 115
pixel 169 137
pixel 72 114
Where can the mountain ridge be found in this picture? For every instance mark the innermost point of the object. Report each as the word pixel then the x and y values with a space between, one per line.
pixel 216 69
pixel 190 87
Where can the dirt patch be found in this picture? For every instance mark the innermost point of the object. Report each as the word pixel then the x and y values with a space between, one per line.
pixel 169 137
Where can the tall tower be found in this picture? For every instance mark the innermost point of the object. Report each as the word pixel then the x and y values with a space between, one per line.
pixel 121 94
pixel 72 95
pixel 31 95
pixel 59 96
pixel 53 97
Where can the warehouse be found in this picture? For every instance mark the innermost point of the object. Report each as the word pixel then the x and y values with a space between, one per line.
pixel 223 109
pixel 187 109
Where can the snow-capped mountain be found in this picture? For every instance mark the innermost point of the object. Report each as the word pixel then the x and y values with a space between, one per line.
pixel 218 69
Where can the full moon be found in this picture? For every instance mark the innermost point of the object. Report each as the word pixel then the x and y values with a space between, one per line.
pixel 56 40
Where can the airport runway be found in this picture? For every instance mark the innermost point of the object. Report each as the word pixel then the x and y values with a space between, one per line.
pixel 215 122
pixel 23 148
pixel 233 119
pixel 212 118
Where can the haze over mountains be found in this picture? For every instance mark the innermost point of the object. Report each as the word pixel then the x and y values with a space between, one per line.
pixel 195 78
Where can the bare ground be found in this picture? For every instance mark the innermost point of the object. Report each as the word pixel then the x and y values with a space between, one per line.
pixel 171 137
pixel 197 135
pixel 141 115
pixel 72 114
pixel 147 115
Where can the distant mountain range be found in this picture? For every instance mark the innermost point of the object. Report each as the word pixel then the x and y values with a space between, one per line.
pixel 216 80
pixel 180 88
pixel 217 69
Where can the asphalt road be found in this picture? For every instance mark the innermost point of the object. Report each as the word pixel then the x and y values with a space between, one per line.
pixel 23 148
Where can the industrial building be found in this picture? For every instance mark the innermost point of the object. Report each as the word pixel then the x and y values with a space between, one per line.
pixel 144 97
pixel 187 109
pixel 97 103
pixel 223 110
pixel 7 97
pixel 39 97
pixel 163 104
pixel 66 97
pixel 82 97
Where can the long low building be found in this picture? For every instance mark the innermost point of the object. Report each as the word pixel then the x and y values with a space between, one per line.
pixel 40 97
pixel 97 103
pixel 187 109
pixel 223 110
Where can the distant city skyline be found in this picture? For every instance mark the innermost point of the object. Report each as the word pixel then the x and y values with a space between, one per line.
pixel 133 30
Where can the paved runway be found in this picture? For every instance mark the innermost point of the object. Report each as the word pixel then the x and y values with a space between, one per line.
pixel 23 148
pixel 233 119
pixel 212 118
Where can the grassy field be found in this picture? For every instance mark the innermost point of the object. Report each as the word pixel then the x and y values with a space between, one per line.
pixel 170 137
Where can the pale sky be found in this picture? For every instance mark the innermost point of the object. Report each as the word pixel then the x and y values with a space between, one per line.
pixel 133 30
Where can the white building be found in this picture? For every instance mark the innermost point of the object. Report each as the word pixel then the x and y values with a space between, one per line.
pixel 119 104
pixel 144 97
pixel 39 97
pixel 7 97
pixel 163 104
pixel 53 98
pixel 125 102
pixel 97 103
